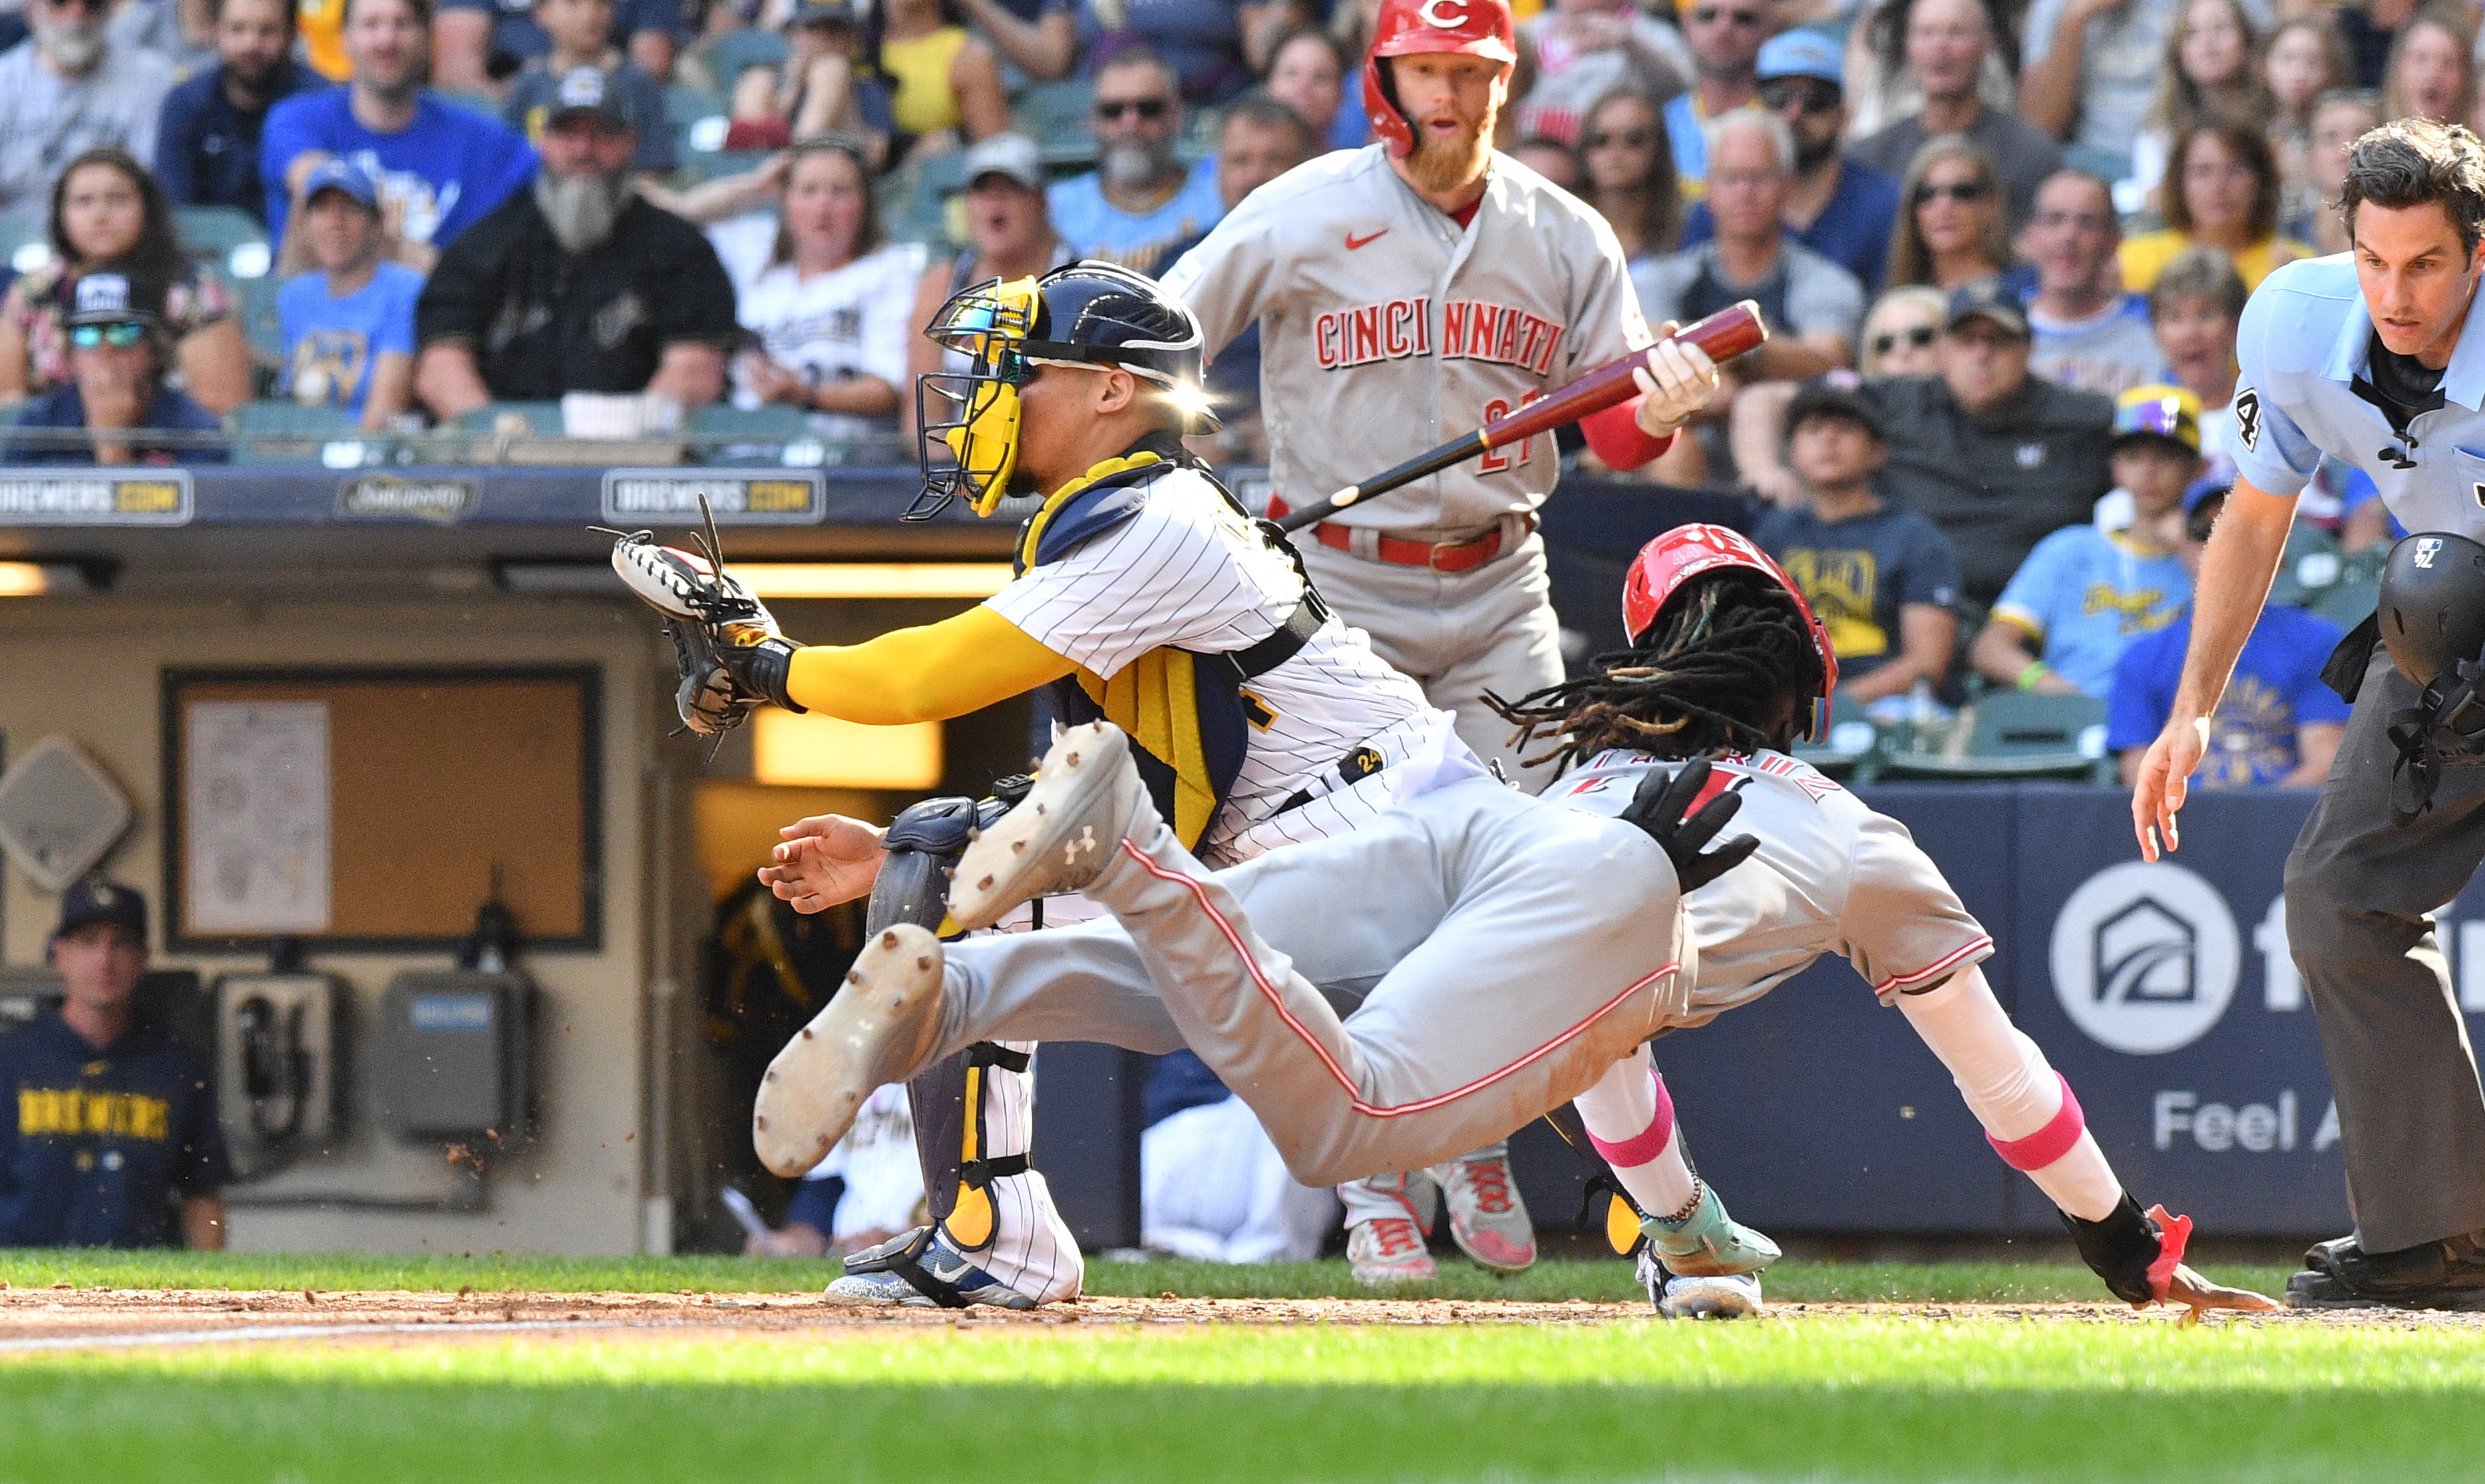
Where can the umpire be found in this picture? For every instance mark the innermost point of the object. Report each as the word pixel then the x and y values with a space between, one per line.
pixel 2363 357
pixel 114 1139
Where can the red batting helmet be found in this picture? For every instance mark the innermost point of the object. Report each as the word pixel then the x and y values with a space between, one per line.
pixel 1664 565
pixel 1475 28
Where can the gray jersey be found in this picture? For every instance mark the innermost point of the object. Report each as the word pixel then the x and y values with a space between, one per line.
pixel 1831 877
pixel 1387 329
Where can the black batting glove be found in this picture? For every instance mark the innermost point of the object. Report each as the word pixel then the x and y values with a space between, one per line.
pixel 1662 807
pixel 2120 1248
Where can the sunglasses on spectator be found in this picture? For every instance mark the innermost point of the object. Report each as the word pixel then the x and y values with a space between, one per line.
pixel 1707 15
pixel 120 337
pixel 1917 337
pixel 1964 192
pixel 1150 109
pixel 1628 139
pixel 1807 94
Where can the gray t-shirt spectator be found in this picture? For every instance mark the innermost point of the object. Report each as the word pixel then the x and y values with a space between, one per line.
pixel 46 121
pixel 1998 484
pixel 2025 154
pixel 1859 573
pixel 2121 53
pixel 2107 353
pixel 1805 293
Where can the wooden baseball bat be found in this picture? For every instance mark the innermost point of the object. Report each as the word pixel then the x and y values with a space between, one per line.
pixel 1724 334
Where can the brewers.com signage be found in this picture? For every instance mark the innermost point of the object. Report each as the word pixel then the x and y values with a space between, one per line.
pixel 158 497
pixel 386 497
pixel 789 497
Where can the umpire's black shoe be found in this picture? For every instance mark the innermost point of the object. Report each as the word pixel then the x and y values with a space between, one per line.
pixel 2340 1274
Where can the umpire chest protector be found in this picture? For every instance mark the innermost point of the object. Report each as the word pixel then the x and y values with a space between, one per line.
pixel 1190 715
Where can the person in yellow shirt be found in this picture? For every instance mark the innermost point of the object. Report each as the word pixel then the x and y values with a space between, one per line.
pixel 947 87
pixel 322 25
pixel 2222 191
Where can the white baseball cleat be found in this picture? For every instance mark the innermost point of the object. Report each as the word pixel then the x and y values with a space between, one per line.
pixel 1723 1296
pixel 1388 1250
pixel 880 1026
pixel 1061 836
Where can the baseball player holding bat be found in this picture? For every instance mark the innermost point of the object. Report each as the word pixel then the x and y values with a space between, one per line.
pixel 1406 294
pixel 1143 595
pixel 1502 953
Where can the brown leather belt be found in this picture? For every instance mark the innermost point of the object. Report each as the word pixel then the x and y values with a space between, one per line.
pixel 1437 555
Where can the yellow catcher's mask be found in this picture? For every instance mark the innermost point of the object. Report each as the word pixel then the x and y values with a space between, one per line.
pixel 969 419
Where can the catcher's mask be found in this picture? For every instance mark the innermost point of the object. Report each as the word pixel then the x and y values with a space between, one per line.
pixel 1081 315
pixel 2432 620
pixel 1665 565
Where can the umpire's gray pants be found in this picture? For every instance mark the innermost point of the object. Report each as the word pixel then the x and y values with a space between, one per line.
pixel 1457 634
pixel 1500 955
pixel 2411 1116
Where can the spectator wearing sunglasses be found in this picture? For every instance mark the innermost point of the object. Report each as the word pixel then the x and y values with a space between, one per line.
pixel 1588 48
pixel 1950 234
pixel 1840 209
pixel 1625 171
pixel 1944 44
pixel 1902 338
pixel 116 390
pixel 67 89
pixel 2221 191
pixel 2090 334
pixel 2086 593
pixel 1902 334
pixel 1139 203
pixel 2277 726
pixel 1725 38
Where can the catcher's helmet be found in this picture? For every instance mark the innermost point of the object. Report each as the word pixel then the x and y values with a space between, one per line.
pixel 1666 566
pixel 1082 314
pixel 2432 608
pixel 1405 28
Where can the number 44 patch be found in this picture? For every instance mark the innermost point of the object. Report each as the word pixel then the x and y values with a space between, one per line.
pixel 2246 408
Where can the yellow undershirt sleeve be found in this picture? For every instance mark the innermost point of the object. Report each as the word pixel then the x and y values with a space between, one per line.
pixel 924 674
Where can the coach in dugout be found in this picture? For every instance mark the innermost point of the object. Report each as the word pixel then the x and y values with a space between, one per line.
pixel 2366 358
pixel 114 1143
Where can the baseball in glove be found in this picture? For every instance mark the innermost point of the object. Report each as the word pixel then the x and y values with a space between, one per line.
pixel 727 646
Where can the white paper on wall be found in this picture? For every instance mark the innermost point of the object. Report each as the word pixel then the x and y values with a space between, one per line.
pixel 256 807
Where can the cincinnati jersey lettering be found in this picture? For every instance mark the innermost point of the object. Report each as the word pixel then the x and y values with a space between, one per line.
pixel 1388 331
pixel 1473 330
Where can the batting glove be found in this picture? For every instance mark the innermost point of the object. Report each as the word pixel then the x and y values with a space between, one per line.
pixel 1677 382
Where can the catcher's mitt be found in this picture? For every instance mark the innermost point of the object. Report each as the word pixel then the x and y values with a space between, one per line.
pixel 727 646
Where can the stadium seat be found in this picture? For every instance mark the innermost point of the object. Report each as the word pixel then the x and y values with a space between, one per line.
pixel 1056 116
pixel 699 167
pixel 2007 734
pixel 25 240
pixel 685 106
pixel 255 298
pixel 2352 599
pixel 735 52
pixel 725 435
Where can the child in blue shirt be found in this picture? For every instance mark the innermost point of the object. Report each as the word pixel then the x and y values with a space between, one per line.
pixel 349 323
pixel 2277 725
pixel 2083 595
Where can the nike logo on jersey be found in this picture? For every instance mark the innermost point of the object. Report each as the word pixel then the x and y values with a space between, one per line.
pixel 1353 241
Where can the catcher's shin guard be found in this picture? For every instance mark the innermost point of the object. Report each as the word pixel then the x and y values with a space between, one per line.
pixel 948 1099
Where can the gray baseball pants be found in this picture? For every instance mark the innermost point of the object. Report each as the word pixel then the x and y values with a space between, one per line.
pixel 2359 892
pixel 1457 634
pixel 1494 956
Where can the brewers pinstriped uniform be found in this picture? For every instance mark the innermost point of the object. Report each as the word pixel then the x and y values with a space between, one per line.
pixel 1188 572
pixel 1387 328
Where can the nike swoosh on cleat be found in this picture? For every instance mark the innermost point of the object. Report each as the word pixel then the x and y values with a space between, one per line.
pixel 1353 241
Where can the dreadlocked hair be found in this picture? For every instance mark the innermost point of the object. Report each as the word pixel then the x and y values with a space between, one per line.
pixel 1725 668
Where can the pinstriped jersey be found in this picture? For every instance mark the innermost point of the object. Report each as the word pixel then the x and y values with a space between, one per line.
pixel 1188 572
pixel 1831 877
pixel 1387 329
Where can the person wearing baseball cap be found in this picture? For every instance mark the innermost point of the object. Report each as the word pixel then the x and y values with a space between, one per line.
pixel 1884 581
pixel 1839 207
pixel 1009 234
pixel 1996 457
pixel 2085 593
pixel 609 292
pixel 580 30
pixel 114 1141
pixel 348 323
pixel 116 390
pixel 2278 725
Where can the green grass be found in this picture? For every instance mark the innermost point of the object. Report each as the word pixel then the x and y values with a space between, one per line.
pixel 1861 1399
pixel 1546 1282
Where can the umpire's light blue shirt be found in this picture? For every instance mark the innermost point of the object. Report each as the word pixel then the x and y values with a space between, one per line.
pixel 2304 338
